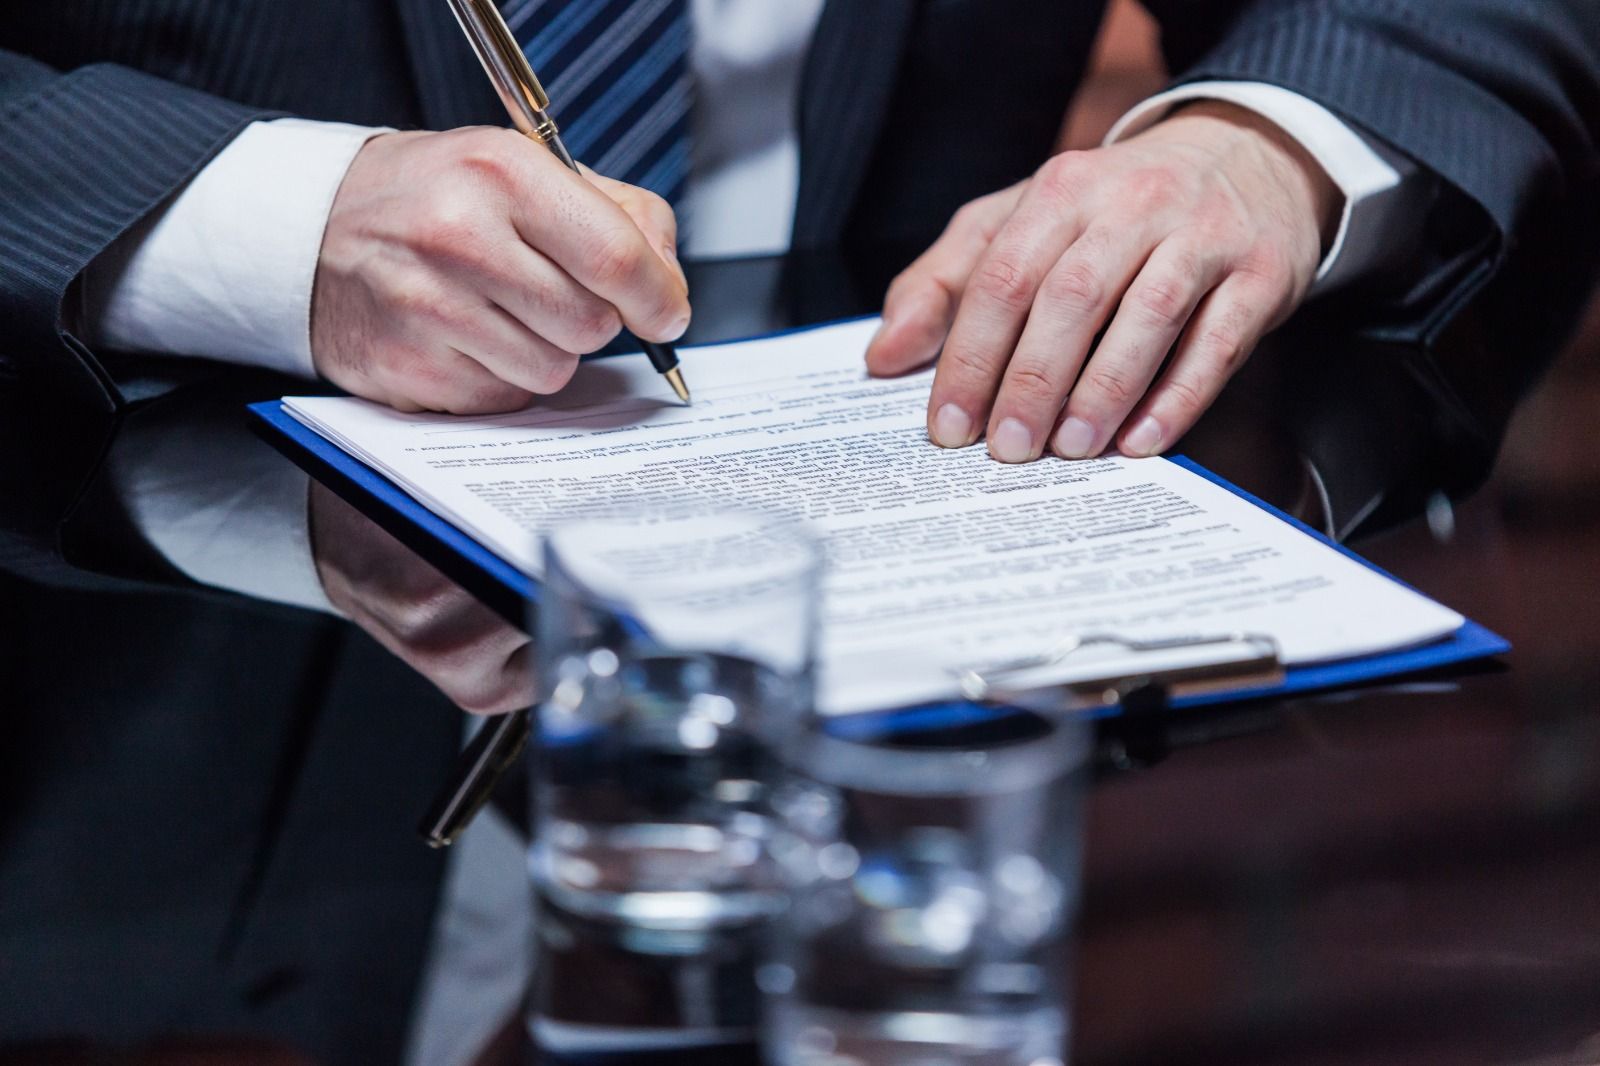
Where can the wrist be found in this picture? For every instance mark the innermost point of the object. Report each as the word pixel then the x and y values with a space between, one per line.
pixel 1229 133
pixel 338 313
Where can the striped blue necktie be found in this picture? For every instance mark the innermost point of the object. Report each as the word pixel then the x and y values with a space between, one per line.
pixel 618 76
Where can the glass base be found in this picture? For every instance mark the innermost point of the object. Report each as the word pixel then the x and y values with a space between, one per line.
pixel 569 1038
pixel 801 1034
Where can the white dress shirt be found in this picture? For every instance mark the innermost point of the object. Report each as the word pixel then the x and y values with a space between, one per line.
pixel 226 271
pixel 744 174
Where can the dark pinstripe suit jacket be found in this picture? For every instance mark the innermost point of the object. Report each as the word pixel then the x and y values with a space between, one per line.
pixel 282 892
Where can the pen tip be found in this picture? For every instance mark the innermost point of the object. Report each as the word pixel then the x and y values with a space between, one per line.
pixel 675 379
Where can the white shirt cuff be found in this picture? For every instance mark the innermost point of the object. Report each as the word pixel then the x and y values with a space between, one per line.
pixel 226 270
pixel 228 513
pixel 1378 184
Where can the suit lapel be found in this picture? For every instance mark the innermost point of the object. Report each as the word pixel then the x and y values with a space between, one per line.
pixel 450 83
pixel 849 77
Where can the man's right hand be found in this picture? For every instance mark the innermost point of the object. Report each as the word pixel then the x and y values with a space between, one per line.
pixel 426 620
pixel 465 271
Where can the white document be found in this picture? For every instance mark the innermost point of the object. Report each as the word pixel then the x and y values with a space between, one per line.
pixel 938 560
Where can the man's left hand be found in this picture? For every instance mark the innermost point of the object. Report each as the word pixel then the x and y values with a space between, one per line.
pixel 1195 238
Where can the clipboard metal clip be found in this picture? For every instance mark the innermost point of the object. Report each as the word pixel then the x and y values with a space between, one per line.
pixel 1227 662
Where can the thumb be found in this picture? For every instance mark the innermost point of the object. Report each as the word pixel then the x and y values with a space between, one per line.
pixel 921 303
pixel 917 314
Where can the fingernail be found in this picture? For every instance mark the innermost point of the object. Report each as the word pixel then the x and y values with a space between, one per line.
pixel 1074 438
pixel 1144 438
pixel 1011 442
pixel 951 427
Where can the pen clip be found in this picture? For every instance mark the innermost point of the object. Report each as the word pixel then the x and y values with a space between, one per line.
pixel 1242 660
pixel 507 66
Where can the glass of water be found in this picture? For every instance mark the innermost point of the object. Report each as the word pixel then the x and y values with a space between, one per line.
pixel 672 647
pixel 933 878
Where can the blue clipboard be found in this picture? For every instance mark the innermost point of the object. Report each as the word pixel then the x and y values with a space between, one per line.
pixel 507 590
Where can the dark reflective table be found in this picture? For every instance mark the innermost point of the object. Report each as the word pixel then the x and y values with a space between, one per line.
pixel 1403 874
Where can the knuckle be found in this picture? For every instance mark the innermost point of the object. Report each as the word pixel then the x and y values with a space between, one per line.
pixel 1110 386
pixel 593 326
pixel 1062 176
pixel 410 298
pixel 487 159
pixel 1076 286
pixel 1222 219
pixel 1006 283
pixel 448 229
pixel 967 362
pixel 1186 262
pixel 415 300
pixel 1186 397
pixel 1032 383
pixel 1224 347
pixel 1152 187
pixel 613 259
pixel 410 620
pixel 1266 262
pixel 1162 301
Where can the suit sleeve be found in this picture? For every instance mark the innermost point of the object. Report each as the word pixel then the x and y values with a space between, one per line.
pixel 84 155
pixel 1498 99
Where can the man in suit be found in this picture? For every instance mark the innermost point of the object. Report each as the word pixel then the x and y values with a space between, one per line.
pixel 156 200
pixel 203 180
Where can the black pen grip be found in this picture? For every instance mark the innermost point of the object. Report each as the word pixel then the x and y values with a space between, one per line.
pixel 662 356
